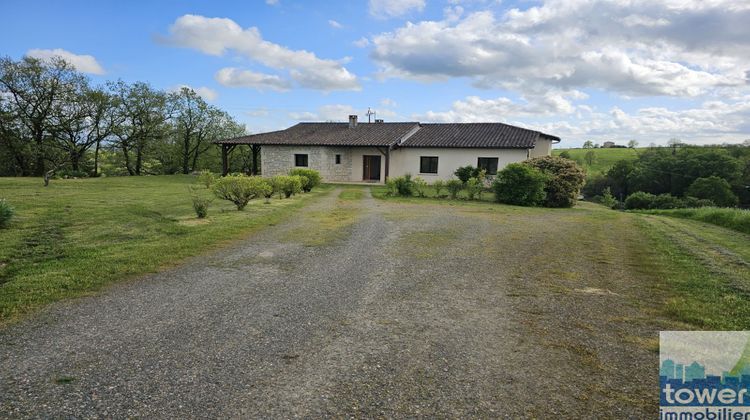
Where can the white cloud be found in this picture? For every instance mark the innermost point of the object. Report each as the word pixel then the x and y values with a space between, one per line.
pixel 394 8
pixel 388 102
pixel 204 92
pixel 216 36
pixel 635 47
pixel 233 77
pixel 272 2
pixel 362 42
pixel 83 63
pixel 711 122
pixel 334 24
pixel 335 112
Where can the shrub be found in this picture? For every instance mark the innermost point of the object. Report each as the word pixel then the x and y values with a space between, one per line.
pixel 608 199
pixel 474 188
pixel 200 205
pixel 390 188
pixel 288 185
pixel 644 200
pixel 564 180
pixel 454 186
pixel 465 172
pixel 694 203
pixel 240 189
pixel 6 213
pixel 420 186
pixel 565 154
pixel 438 186
pixel 311 178
pixel 715 189
pixel 520 184
pixel 404 185
pixel 206 178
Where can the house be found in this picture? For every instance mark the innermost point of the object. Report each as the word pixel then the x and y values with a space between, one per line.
pixel 372 152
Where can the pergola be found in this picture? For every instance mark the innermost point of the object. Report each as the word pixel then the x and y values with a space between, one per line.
pixel 228 145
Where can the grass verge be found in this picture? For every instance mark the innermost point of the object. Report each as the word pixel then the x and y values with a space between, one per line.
pixel 735 219
pixel 75 236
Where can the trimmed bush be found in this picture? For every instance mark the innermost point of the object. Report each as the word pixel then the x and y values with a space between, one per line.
pixel 390 188
pixel 639 200
pixel 454 186
pixel 520 184
pixel 206 178
pixel 564 180
pixel 465 172
pixel 240 189
pixel 288 185
pixel 6 213
pixel 311 178
pixel 420 186
pixel 715 189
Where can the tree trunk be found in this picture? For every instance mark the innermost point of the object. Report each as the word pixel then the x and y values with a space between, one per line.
pixel 186 154
pixel 126 154
pixel 138 160
pixel 39 169
pixel 96 159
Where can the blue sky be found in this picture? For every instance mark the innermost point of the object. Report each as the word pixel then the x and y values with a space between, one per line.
pixel 580 69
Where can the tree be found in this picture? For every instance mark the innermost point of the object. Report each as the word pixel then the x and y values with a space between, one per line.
pixel 674 143
pixel 632 144
pixel 144 113
pixel 715 189
pixel 32 89
pixel 85 120
pixel 588 144
pixel 590 157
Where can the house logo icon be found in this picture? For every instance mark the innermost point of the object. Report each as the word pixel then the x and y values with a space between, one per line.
pixel 704 375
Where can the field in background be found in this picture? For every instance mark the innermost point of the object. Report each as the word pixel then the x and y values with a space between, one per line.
pixel 75 236
pixel 603 158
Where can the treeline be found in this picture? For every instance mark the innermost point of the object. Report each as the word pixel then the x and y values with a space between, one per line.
pixel 54 120
pixel 721 175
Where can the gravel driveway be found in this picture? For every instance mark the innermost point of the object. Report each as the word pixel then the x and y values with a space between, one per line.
pixel 415 310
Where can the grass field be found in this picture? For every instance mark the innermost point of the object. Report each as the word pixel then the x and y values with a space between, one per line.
pixel 75 236
pixel 604 158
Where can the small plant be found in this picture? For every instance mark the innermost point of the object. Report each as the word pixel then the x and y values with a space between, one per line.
pixel 474 188
pixel 404 185
pixel 454 186
pixel 438 185
pixel 608 199
pixel 240 189
pixel 6 213
pixel 390 188
pixel 420 186
pixel 206 178
pixel 310 178
pixel 200 205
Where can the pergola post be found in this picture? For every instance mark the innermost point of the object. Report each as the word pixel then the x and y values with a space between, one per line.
pixel 224 160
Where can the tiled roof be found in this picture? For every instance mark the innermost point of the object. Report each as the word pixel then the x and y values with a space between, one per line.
pixel 475 135
pixel 331 134
pixel 469 135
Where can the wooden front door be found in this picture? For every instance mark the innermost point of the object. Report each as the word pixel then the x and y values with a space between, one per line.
pixel 370 168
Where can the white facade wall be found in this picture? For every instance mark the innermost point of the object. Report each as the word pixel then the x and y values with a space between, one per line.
pixel 278 160
pixel 406 160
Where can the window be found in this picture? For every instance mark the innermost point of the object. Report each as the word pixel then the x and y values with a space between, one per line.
pixel 488 164
pixel 338 159
pixel 300 160
pixel 428 164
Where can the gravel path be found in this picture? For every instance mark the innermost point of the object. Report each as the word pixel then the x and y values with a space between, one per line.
pixel 417 310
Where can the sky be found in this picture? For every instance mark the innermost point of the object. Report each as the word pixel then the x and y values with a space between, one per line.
pixel 582 70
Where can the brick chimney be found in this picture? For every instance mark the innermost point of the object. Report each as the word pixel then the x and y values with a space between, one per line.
pixel 352 121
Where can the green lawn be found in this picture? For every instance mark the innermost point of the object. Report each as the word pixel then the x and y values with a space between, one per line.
pixel 75 236
pixel 603 158
pixel 735 219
